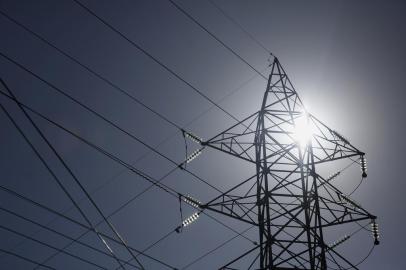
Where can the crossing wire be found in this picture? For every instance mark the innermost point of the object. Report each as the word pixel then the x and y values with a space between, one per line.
pixel 96 74
pixel 226 16
pixel 51 246
pixel 54 176
pixel 210 100
pixel 14 213
pixel 166 67
pixel 57 179
pixel 115 125
pixel 70 132
pixel 109 82
pixel 143 175
pixel 80 224
pixel 182 10
pixel 155 59
pixel 116 159
pixel 238 25
pixel 216 248
pixel 75 60
pixel 248 239
pixel 107 120
pixel 25 258
pixel 69 170
pixel 100 116
pixel 115 86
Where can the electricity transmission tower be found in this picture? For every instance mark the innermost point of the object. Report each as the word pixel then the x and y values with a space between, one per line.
pixel 288 200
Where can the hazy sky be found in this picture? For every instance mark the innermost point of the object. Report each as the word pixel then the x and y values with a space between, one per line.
pixel 346 59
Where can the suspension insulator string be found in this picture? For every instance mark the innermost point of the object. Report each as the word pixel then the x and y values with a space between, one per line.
pixel 194 155
pixel 192 137
pixel 339 241
pixel 188 221
pixel 333 176
pixel 363 166
pixel 375 231
pixel 192 201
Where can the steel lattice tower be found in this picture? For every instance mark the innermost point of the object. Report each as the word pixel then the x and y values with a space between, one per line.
pixel 289 202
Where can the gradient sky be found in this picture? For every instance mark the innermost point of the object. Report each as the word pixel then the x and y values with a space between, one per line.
pixel 346 59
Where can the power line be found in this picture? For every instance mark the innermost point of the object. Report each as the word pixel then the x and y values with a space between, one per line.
pixel 162 238
pixel 156 60
pixel 238 25
pixel 131 168
pixel 80 224
pixel 96 74
pixel 121 162
pixel 99 149
pixel 111 83
pixel 97 114
pixel 215 37
pixel 104 118
pixel 60 234
pixel 280 169
pixel 111 123
pixel 25 258
pixel 77 181
pixel 216 248
pixel 292 217
pixel 114 85
pixel 51 247
pixel 51 171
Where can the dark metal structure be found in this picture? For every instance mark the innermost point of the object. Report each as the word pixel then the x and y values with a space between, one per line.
pixel 288 200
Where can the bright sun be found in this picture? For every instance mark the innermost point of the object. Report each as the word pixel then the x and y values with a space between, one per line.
pixel 302 132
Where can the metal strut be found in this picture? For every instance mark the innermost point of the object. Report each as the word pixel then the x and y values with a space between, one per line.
pixel 290 203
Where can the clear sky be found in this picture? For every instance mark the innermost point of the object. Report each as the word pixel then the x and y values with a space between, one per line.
pixel 346 59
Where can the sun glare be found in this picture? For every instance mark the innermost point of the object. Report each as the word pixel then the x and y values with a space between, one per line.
pixel 302 132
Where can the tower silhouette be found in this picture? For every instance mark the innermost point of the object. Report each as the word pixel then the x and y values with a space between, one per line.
pixel 287 199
